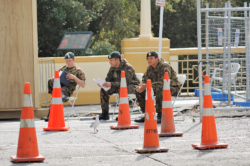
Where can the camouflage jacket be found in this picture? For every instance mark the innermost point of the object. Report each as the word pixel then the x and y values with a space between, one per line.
pixel 114 75
pixel 75 71
pixel 156 75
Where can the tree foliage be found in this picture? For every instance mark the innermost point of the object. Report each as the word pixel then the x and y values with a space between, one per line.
pixel 102 48
pixel 110 21
pixel 55 18
pixel 113 20
pixel 180 20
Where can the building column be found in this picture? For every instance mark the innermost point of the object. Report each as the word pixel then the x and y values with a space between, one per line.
pixel 135 49
pixel 145 21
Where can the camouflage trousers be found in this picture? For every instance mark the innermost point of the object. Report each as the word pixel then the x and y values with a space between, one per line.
pixel 104 95
pixel 64 89
pixel 158 92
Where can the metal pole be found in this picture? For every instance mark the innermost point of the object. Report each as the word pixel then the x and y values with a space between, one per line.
pixel 50 74
pixel 225 18
pixel 46 77
pixel 231 108
pixel 231 93
pixel 224 53
pixel 199 56
pixel 224 9
pixel 207 40
pixel 229 54
pixel 40 81
pixel 160 31
pixel 247 52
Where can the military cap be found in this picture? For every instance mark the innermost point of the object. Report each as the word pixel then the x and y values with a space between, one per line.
pixel 152 53
pixel 114 54
pixel 69 55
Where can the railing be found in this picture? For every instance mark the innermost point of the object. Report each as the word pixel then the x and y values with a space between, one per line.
pixel 46 71
pixel 188 64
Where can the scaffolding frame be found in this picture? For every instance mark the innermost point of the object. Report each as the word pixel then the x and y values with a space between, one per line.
pixel 226 48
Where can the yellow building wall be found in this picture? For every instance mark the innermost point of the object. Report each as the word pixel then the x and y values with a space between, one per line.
pixel 94 67
pixel 135 51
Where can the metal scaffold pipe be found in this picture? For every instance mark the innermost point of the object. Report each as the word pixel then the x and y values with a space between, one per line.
pixel 225 9
pixel 199 56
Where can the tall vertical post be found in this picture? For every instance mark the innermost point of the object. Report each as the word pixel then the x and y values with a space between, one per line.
pixel 207 39
pixel 199 56
pixel 145 21
pixel 248 54
pixel 224 81
pixel 247 51
pixel 229 54
pixel 160 31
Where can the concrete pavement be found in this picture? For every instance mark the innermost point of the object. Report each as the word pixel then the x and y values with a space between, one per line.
pixel 81 146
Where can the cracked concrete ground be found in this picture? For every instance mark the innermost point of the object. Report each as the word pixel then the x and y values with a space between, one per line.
pixel 81 146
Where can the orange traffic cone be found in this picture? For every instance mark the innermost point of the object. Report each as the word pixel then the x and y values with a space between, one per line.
pixel 151 139
pixel 208 134
pixel 56 117
pixel 27 149
pixel 124 121
pixel 167 119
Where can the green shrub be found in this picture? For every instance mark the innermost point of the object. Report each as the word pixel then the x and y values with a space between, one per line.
pixel 102 48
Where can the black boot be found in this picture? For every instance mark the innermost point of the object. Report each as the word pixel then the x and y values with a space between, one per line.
pixel 116 118
pixel 64 98
pixel 47 118
pixel 159 118
pixel 104 115
pixel 140 120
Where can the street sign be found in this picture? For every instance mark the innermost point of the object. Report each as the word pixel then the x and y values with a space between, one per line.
pixel 75 40
pixel 161 3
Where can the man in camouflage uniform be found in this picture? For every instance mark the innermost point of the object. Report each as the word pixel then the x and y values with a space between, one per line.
pixel 75 74
pixel 113 80
pixel 155 72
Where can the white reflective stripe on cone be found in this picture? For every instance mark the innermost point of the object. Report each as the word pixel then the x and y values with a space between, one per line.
pixel 56 101
pixel 123 100
pixel 152 94
pixel 166 85
pixel 208 112
pixel 207 89
pixel 167 104
pixel 27 123
pixel 56 83
pixel 123 82
pixel 27 100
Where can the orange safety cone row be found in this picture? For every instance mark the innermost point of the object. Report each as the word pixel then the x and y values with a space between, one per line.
pixel 209 138
pixel 124 121
pixel 27 148
pixel 167 119
pixel 151 138
pixel 56 117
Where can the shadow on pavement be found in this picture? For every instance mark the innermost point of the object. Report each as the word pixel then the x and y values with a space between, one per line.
pixel 204 152
pixel 2 121
pixel 192 127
